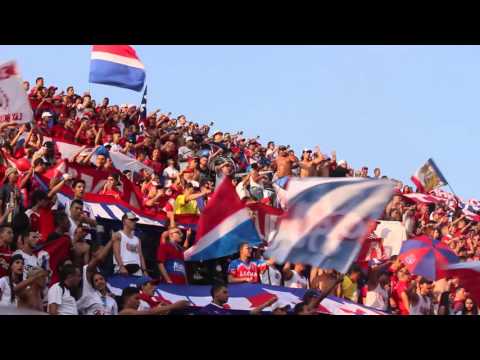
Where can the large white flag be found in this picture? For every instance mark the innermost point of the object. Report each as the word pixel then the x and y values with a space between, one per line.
pixel 326 220
pixel 14 104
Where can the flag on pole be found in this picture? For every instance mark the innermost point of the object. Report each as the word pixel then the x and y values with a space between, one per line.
pixel 326 220
pixel 143 111
pixel 117 65
pixel 14 104
pixel 224 224
pixel 428 177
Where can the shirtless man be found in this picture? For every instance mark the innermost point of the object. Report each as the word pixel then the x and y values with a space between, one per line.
pixel 308 165
pixel 283 163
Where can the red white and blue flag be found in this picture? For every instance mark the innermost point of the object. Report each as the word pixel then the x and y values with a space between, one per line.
pixel 224 224
pixel 326 220
pixel 117 65
pixel 428 177
pixel 242 297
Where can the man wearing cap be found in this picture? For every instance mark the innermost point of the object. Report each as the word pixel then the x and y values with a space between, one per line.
pixel 127 250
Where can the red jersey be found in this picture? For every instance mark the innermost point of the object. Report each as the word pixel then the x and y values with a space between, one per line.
pixel 396 295
pixel 241 269
pixel 172 258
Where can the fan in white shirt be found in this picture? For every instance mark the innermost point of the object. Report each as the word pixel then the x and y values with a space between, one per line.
pixel 95 298
pixel 170 173
pixel 295 278
pixel 60 299
pixel 26 250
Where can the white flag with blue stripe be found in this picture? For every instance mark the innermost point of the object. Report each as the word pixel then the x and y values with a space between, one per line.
pixel 326 220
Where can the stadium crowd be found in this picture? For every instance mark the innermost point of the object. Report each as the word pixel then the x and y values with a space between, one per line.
pixel 188 161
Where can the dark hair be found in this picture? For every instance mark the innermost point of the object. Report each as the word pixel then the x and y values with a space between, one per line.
pixel 216 287
pixel 38 78
pixel 59 217
pixel 76 202
pixel 242 245
pixel 355 269
pixel 90 279
pixel 474 309
pixel 127 292
pixel 299 308
pixel 65 271
pixel 70 87
pixel 10 276
pixel 78 181
pixel 37 196
pixel 3 228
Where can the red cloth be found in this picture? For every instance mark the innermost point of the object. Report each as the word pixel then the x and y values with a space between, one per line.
pixel 59 251
pixel 172 258
pixel 397 291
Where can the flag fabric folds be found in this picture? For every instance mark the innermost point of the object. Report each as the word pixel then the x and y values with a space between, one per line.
pixel 242 297
pixel 117 65
pixel 428 177
pixel 14 103
pixel 224 224
pixel 326 220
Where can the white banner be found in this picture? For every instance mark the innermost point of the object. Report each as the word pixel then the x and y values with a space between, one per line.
pixel 393 234
pixel 14 104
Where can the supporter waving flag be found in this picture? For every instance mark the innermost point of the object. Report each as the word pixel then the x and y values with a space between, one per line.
pixel 428 177
pixel 223 226
pixel 326 220
pixel 14 105
pixel 117 65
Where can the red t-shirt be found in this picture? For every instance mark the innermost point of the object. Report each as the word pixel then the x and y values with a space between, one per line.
pixel 111 192
pixel 396 295
pixel 172 258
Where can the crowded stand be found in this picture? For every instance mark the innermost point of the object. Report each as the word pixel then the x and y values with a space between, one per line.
pixel 57 250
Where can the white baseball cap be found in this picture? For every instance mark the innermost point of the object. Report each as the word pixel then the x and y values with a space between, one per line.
pixel 46 114
pixel 342 162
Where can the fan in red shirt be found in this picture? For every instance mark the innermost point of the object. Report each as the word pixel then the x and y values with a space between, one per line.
pixel 109 189
pixel 399 292
pixel 171 261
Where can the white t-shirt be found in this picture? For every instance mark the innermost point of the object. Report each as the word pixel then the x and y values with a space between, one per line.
pixel 30 261
pixel 87 298
pixel 377 298
pixel 167 173
pixel 67 304
pixel 271 276
pixel 73 228
pixel 6 293
pixel 102 305
pixel 129 250
pixel 297 281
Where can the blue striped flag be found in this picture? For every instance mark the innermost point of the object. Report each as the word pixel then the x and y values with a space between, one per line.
pixel 326 220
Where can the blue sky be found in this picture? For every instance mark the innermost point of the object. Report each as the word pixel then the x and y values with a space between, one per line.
pixel 391 107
